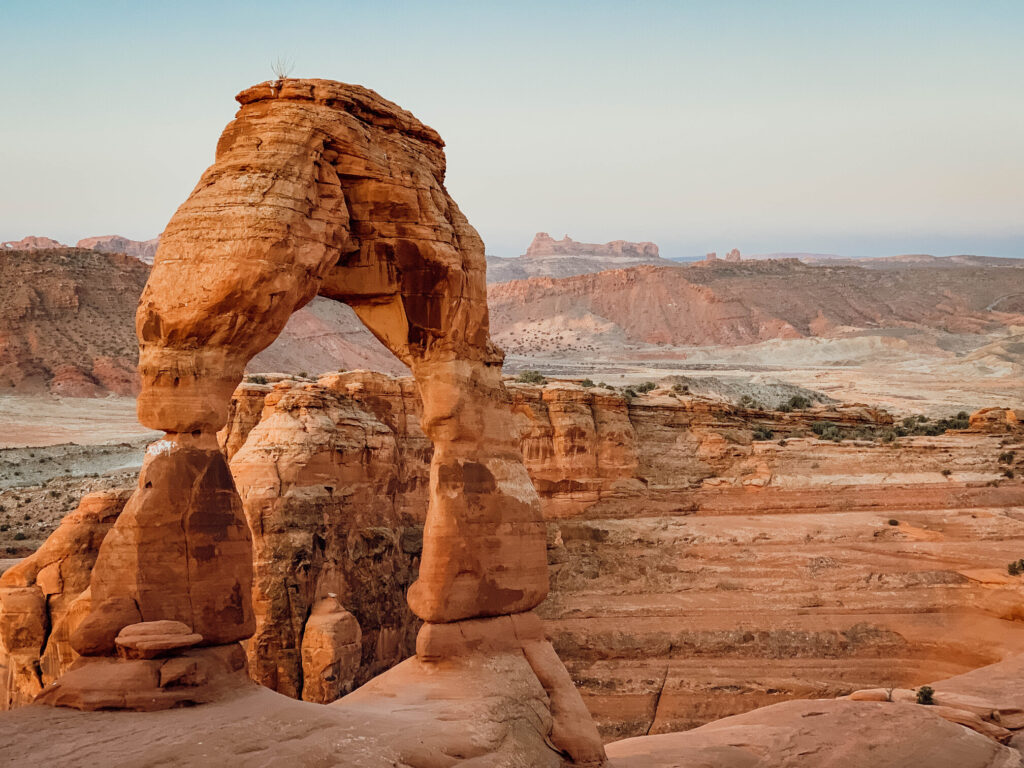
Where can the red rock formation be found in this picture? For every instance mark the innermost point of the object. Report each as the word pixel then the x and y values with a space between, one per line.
pixel 317 187
pixel 996 420
pixel 43 598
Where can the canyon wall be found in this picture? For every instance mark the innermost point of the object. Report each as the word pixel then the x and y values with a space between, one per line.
pixel 696 572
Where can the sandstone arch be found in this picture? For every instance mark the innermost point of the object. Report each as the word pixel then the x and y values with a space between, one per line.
pixel 317 188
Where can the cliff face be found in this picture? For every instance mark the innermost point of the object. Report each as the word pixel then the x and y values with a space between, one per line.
pixel 62 326
pixel 696 572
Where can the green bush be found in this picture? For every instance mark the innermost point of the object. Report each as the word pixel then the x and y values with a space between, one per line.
pixel 925 695
pixel 646 387
pixel 763 433
pixel 826 430
pixel 681 389
pixel 531 377
pixel 798 403
pixel 629 393
pixel 19 536
pixel 587 383
pixel 256 379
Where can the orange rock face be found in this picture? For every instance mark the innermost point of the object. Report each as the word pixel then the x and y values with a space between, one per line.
pixel 320 187
pixel 43 598
pixel 317 188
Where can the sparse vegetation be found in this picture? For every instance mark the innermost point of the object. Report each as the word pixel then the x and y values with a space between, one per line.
pixel 926 695
pixel 946 472
pixel 681 389
pixel 826 430
pixel 1006 458
pixel 629 393
pixel 531 377
pixel 256 379
pixel 646 387
pixel 1008 473
pixel 1016 567
pixel 893 521
pixel 19 536
pixel 587 383
pixel 763 433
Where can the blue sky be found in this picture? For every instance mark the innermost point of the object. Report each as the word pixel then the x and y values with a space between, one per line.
pixel 862 128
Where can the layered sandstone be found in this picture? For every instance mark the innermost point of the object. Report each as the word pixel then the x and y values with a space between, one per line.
pixel 31 243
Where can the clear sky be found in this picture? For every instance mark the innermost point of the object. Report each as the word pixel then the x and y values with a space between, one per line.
pixel 862 128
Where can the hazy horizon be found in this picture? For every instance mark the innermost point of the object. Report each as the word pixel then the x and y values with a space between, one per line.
pixel 869 130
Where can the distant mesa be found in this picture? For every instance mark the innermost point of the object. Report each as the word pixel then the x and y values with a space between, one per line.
pixel 547 257
pixel 31 243
pixel 545 245
pixel 143 250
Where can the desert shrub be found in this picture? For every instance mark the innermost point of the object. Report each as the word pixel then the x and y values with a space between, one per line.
pixel 887 435
pixel 5 527
pixel 256 379
pixel 763 433
pixel 893 521
pixel 629 393
pixel 947 472
pixel 1006 458
pixel 303 375
pixel 681 389
pixel 826 430
pixel 1013 568
pixel 798 403
pixel 606 385
pixel 925 695
pixel 19 536
pixel 646 387
pixel 785 408
pixel 1008 473
pixel 531 377
pixel 587 383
